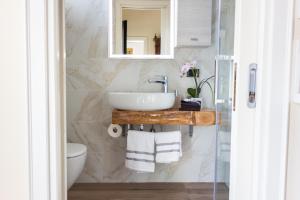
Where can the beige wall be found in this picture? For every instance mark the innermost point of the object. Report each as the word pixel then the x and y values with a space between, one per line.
pixel 143 23
pixel 14 172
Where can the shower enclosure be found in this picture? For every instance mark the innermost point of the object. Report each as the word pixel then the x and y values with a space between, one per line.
pixel 224 96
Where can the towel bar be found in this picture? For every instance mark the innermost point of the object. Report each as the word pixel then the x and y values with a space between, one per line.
pixel 128 127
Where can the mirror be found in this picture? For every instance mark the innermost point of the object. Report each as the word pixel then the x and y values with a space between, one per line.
pixel 142 28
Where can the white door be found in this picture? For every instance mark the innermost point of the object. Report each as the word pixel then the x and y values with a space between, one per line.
pixel 243 117
pixel 263 32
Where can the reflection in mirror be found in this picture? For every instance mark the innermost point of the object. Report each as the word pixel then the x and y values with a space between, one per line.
pixel 141 28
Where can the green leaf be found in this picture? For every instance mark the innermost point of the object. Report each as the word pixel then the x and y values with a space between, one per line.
pixel 193 93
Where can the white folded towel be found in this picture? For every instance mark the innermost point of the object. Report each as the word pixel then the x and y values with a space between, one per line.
pixel 140 151
pixel 168 146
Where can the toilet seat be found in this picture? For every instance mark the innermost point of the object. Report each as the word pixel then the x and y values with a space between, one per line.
pixel 75 150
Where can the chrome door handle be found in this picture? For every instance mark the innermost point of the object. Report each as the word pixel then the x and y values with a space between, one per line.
pixel 252 85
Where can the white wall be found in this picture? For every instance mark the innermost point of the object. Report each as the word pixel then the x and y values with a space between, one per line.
pixel 14 171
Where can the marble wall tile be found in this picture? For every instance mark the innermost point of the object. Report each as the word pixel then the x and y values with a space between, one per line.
pixel 91 75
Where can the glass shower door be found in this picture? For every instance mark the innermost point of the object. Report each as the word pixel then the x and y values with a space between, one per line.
pixel 224 80
pixel 223 96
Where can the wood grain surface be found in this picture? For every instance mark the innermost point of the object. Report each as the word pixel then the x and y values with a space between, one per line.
pixel 165 117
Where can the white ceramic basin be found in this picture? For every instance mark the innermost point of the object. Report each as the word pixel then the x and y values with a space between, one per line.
pixel 141 101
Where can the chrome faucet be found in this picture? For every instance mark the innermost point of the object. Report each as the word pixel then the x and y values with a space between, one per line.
pixel 161 79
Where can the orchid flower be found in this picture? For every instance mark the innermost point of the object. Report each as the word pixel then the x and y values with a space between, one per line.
pixel 195 91
pixel 186 67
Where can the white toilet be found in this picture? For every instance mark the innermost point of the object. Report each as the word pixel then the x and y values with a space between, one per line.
pixel 76 156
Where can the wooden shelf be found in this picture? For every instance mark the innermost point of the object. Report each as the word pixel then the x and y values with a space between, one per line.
pixel 165 117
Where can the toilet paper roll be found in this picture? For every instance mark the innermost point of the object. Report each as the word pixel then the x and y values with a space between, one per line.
pixel 114 130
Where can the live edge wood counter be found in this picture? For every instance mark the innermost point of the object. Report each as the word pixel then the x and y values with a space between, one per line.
pixel 165 117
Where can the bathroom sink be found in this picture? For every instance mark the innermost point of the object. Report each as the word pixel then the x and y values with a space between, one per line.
pixel 137 101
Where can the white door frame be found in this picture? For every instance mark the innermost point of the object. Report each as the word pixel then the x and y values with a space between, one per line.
pixel 272 116
pixel 251 178
pixel 46 72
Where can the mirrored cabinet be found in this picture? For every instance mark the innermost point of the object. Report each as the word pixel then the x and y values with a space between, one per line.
pixel 151 29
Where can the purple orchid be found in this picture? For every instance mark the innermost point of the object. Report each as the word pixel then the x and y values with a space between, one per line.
pixel 186 67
